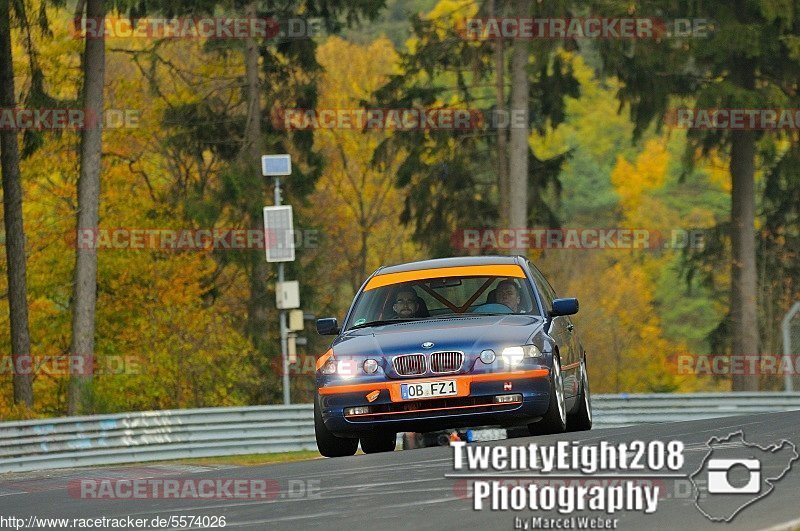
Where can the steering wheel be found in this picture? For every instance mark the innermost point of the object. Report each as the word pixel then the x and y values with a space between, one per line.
pixel 492 307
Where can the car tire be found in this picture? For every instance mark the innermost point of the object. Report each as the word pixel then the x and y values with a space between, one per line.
pixel 379 442
pixel 328 444
pixel 555 419
pixel 581 420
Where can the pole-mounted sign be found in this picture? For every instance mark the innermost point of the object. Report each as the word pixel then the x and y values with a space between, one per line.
pixel 279 233
pixel 276 165
pixel 279 244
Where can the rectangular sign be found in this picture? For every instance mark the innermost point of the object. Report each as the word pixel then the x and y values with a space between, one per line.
pixel 276 165
pixel 279 233
pixel 287 295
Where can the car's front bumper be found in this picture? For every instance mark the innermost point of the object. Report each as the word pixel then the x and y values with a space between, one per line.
pixel 472 406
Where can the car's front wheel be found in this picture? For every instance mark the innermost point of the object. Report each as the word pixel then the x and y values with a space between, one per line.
pixel 330 445
pixel 555 419
pixel 379 442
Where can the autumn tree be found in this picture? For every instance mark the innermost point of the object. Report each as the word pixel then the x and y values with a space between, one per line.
pixel 362 204
pixel 232 125
pixel 450 184
pixel 85 282
pixel 518 138
pixel 746 61
pixel 12 217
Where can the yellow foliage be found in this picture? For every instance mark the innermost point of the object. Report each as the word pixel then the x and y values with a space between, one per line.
pixel 718 170
pixel 170 347
pixel 597 108
pixel 447 14
pixel 362 205
pixel 633 181
pixel 620 329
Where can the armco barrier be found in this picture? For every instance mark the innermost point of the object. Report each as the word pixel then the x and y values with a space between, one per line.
pixel 178 434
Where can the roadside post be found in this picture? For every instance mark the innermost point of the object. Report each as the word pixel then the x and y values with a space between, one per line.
pixel 279 246
pixel 791 340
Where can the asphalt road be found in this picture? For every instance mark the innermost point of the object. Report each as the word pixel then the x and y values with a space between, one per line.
pixel 404 489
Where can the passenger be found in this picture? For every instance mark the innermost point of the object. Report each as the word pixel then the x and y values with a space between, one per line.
pixel 508 294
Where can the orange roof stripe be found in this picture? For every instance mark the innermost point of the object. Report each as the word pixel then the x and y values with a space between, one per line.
pixel 500 270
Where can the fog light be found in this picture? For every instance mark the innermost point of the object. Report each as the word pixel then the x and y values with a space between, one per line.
pixel 370 366
pixel 503 399
pixel 488 356
pixel 361 410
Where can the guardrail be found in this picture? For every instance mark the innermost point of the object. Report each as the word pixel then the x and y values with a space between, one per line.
pixel 179 434
pixel 154 436
pixel 611 411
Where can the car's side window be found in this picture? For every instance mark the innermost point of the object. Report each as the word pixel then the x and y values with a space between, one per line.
pixel 545 290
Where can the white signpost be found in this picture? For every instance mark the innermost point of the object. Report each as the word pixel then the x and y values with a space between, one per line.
pixel 279 245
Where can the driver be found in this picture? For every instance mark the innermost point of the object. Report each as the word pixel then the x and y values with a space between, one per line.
pixel 406 303
pixel 508 294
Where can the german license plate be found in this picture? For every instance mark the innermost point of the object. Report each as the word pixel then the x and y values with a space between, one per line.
pixel 428 389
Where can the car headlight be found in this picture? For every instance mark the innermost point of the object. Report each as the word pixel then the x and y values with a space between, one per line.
pixel 329 367
pixel 370 366
pixel 344 368
pixel 488 356
pixel 515 355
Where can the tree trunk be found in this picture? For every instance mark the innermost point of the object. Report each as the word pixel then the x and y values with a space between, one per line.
pixel 744 272
pixel 252 131
pixel 252 150
pixel 502 135
pixel 85 279
pixel 12 217
pixel 518 159
pixel 744 315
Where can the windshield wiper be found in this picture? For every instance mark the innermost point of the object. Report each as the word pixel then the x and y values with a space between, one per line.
pixel 381 322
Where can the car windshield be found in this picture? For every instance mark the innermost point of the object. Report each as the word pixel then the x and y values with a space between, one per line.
pixel 441 297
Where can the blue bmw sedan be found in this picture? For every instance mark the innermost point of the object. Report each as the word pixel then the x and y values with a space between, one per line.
pixel 450 343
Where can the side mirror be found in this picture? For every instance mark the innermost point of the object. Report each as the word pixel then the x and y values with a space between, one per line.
pixel 328 326
pixel 564 307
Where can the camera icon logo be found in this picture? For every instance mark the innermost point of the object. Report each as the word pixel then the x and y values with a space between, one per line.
pixel 719 471
pixel 736 473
